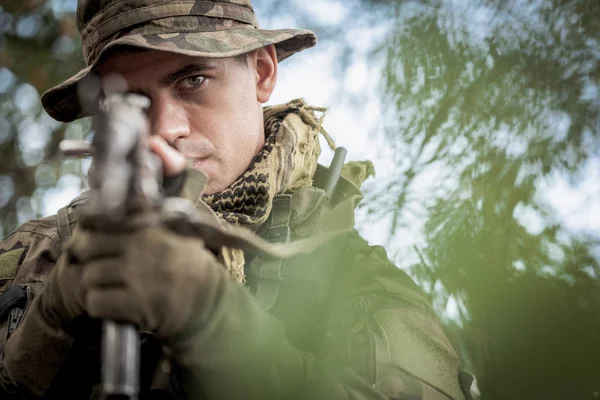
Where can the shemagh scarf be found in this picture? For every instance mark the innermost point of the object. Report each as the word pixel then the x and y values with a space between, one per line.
pixel 287 162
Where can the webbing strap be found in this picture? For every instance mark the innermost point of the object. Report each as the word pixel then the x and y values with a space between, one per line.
pixel 66 215
pixel 278 232
pixel 64 226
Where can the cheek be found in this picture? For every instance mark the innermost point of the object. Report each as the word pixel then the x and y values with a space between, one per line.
pixel 246 138
pixel 233 123
pixel 236 137
pixel 246 133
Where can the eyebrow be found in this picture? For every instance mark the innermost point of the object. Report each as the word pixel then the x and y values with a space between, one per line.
pixel 185 72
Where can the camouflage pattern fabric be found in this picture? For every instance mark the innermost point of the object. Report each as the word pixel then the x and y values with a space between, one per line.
pixel 42 246
pixel 213 29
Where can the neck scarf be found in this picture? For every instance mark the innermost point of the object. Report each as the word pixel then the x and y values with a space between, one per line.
pixel 287 162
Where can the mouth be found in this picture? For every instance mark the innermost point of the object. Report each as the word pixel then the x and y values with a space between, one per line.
pixel 199 161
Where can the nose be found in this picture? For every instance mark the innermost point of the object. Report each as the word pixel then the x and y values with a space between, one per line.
pixel 169 118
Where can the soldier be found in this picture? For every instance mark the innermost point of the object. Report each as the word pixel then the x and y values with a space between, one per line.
pixel 340 323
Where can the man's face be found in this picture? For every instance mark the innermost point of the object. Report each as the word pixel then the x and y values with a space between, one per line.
pixel 208 109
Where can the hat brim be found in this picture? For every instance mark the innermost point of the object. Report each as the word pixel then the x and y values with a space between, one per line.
pixel 62 101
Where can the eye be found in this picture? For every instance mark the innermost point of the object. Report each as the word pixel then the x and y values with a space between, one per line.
pixel 192 82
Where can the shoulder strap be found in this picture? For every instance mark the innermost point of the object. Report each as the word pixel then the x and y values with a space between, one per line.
pixel 65 216
pixel 269 275
pixel 64 224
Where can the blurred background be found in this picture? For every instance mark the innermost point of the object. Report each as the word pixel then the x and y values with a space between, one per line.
pixel 482 120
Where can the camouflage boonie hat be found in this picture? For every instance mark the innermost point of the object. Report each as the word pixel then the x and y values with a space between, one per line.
pixel 212 29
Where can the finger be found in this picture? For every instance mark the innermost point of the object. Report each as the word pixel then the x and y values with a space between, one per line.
pixel 102 273
pixel 87 245
pixel 115 304
pixel 173 161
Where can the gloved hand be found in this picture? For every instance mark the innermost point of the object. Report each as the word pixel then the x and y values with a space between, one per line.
pixel 172 285
pixel 150 277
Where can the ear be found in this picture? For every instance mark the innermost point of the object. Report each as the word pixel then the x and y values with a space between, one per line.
pixel 264 61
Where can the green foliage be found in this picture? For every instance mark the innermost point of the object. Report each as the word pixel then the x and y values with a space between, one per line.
pixel 500 99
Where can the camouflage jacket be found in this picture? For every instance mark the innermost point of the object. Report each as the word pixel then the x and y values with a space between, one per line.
pixel 346 305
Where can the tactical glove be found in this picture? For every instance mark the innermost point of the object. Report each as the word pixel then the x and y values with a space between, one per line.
pixel 150 277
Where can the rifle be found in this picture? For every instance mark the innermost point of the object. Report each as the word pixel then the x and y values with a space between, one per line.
pixel 124 179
